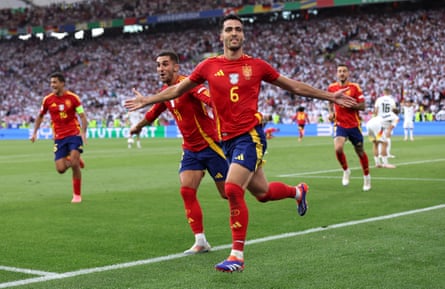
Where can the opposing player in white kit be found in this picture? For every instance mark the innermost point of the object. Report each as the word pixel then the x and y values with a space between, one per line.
pixel 383 106
pixel 408 109
pixel 379 128
pixel 134 117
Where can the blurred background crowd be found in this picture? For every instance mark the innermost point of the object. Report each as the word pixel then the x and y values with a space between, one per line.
pixel 400 47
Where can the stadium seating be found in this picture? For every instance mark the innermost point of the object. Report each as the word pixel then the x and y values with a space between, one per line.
pixel 404 52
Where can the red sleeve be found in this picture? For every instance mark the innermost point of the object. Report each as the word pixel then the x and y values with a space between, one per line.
pixel 202 93
pixel 155 111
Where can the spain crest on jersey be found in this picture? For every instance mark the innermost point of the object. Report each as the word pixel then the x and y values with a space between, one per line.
pixel 247 72
pixel 68 103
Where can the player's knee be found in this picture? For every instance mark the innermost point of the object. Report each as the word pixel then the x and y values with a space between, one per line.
pixel 61 170
pixel 188 193
pixel 233 190
pixel 262 198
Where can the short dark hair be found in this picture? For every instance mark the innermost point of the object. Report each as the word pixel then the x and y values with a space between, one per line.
pixel 342 65
pixel 173 56
pixel 58 75
pixel 229 17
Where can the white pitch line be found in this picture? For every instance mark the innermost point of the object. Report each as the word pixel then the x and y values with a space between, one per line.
pixel 340 170
pixel 379 178
pixel 26 271
pixel 55 276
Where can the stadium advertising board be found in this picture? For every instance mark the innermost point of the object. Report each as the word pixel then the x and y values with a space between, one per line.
pixel 324 129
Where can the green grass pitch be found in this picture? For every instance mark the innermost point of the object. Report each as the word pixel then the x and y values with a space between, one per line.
pixel 130 229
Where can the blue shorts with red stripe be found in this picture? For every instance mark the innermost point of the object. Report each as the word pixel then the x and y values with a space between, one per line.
pixel 247 149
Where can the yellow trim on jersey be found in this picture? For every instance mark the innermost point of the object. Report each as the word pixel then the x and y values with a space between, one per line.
pixel 259 148
pixel 209 140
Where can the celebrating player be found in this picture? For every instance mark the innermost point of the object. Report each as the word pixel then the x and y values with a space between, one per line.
pixel 234 80
pixel 348 126
pixel 201 150
pixel 69 136
pixel 301 118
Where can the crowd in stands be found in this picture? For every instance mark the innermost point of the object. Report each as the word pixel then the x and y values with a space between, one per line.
pixel 404 52
pixel 98 10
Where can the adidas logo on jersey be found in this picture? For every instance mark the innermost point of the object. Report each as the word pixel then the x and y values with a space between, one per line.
pixel 219 73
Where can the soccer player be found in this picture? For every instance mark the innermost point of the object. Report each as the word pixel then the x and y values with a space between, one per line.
pixel 270 131
pixel 234 80
pixel 409 110
pixel 69 135
pixel 201 149
pixel 379 128
pixel 301 119
pixel 348 125
pixel 384 106
pixel 134 117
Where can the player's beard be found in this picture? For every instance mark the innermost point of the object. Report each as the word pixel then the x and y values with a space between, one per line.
pixel 235 48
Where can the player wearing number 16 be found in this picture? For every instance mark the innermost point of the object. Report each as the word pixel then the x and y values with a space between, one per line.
pixel 234 80
pixel 383 107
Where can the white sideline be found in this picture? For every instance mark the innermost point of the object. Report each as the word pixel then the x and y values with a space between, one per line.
pixel 47 276
pixel 356 168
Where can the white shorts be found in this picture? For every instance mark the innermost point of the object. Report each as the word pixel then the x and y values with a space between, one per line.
pixel 408 124
pixel 375 130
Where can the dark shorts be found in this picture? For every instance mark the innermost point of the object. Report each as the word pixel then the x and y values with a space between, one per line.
pixel 247 149
pixel 354 134
pixel 63 147
pixel 210 159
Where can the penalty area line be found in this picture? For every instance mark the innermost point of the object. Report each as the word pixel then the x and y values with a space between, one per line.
pixel 54 276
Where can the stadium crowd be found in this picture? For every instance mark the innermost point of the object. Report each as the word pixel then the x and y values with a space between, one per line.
pixel 97 10
pixel 400 49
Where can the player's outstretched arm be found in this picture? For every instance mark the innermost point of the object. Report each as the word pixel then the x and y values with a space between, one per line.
pixel 170 92
pixel 138 127
pixel 303 89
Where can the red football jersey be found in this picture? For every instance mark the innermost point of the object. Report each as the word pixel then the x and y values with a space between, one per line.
pixel 234 89
pixel 346 117
pixel 198 129
pixel 62 110
pixel 300 117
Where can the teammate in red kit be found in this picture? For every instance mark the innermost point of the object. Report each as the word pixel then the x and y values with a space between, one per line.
pixel 234 80
pixel 347 125
pixel 270 131
pixel 301 118
pixel 69 135
pixel 201 149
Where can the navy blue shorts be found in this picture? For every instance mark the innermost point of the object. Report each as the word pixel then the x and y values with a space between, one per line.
pixel 247 149
pixel 63 147
pixel 211 159
pixel 354 134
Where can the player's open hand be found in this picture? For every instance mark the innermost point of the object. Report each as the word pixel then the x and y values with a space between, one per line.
pixel 341 98
pixel 135 103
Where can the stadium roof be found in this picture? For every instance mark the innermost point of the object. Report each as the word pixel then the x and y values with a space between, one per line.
pixel 6 4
